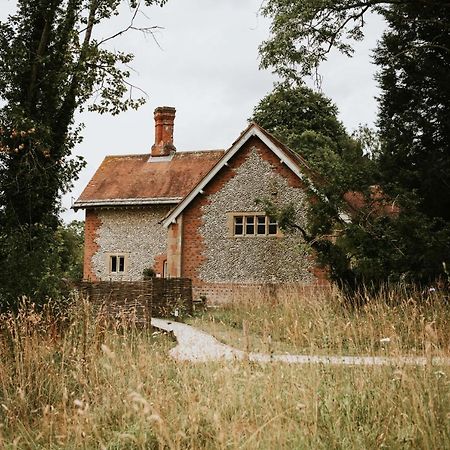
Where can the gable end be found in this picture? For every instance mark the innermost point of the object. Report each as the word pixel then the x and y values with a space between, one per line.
pixel 253 130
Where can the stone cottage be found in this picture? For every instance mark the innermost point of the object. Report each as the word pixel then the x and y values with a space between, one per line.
pixel 195 214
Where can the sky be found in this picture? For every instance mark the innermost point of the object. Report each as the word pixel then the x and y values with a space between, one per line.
pixel 205 64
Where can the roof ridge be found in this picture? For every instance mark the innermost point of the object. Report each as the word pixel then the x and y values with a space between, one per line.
pixel 141 155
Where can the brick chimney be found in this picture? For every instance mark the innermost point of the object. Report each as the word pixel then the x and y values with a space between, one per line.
pixel 164 118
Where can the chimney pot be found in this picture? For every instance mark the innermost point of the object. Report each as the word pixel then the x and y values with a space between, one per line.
pixel 164 120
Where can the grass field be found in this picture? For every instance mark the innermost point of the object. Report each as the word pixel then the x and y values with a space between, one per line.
pixel 76 382
pixel 320 322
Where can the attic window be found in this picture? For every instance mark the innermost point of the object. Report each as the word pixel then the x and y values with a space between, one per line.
pixel 250 224
pixel 117 264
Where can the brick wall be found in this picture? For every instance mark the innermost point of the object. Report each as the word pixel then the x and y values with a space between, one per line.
pixel 223 293
pixel 92 224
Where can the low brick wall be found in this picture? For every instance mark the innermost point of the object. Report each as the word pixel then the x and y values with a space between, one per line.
pixel 171 297
pixel 225 293
pixel 140 300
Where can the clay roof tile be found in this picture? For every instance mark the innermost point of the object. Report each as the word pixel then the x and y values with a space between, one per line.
pixel 140 178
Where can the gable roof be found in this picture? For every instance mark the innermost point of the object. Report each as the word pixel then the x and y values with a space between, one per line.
pixel 144 180
pixel 293 161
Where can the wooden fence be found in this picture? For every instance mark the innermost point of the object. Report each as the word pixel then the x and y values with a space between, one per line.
pixel 141 300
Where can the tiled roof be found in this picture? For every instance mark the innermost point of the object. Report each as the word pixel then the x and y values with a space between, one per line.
pixel 140 179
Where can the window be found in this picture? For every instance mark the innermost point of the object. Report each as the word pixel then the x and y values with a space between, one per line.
pixel 272 226
pixel 117 264
pixel 250 225
pixel 238 225
pixel 244 224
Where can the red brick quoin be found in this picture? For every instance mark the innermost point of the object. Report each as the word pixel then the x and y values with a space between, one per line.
pixel 91 226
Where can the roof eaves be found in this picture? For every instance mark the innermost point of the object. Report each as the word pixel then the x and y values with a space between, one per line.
pixel 83 204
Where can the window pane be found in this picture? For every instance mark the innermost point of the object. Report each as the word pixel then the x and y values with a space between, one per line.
pixel 261 229
pixel 250 225
pixel 238 225
pixel 113 263
pixel 273 226
pixel 121 263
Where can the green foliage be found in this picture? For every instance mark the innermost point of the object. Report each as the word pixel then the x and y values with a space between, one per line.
pixel 71 249
pixel 303 33
pixel 46 272
pixel 409 155
pixel 307 122
pixel 289 111
pixel 149 273
pixel 51 64
pixel 414 61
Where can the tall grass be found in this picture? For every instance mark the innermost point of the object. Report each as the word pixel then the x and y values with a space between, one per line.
pixel 394 322
pixel 76 381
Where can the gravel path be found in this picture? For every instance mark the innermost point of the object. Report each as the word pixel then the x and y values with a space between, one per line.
pixel 197 346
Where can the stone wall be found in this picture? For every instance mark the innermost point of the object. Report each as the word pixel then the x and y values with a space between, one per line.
pixel 135 233
pixel 253 259
pixel 216 261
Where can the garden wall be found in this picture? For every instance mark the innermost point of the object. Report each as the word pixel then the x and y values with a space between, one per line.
pixel 141 300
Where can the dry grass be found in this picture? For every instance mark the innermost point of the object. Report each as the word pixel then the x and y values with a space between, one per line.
pixel 321 322
pixel 78 383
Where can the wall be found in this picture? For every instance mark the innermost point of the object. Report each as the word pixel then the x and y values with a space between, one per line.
pixel 133 232
pixel 157 297
pixel 91 225
pixel 211 258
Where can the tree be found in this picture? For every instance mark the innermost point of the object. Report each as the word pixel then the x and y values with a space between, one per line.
pixel 307 122
pixel 70 238
pixel 51 64
pixel 414 61
pixel 413 161
pixel 303 33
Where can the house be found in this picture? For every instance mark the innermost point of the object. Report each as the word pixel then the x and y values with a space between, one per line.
pixel 194 214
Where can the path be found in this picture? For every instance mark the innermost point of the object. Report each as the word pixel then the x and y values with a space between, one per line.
pixel 197 346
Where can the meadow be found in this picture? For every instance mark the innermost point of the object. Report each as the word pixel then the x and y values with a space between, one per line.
pixel 72 380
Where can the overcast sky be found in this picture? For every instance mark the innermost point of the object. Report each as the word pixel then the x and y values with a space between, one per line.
pixel 206 66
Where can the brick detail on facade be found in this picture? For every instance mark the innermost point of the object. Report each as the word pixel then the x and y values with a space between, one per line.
pixel 174 248
pixel 225 293
pixel 158 264
pixel 91 226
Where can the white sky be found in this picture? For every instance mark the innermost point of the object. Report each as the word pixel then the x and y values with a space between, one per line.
pixel 207 68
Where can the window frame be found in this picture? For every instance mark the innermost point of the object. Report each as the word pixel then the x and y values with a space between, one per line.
pixel 109 263
pixel 245 225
